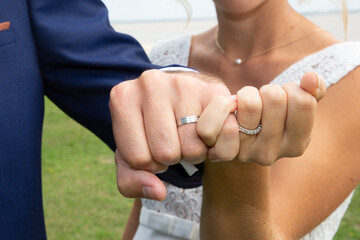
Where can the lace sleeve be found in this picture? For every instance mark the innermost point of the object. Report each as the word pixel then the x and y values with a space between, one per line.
pixel 332 64
pixel 171 51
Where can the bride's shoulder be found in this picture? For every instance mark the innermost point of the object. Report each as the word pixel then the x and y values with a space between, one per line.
pixel 171 51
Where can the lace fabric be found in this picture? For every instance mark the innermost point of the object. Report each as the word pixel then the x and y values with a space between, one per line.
pixel 332 63
pixel 179 202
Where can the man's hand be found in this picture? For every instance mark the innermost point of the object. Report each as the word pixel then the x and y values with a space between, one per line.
pixel 144 113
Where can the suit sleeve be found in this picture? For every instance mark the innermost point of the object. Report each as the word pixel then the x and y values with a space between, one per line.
pixel 82 58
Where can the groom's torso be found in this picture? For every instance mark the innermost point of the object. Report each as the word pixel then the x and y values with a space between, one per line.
pixel 21 114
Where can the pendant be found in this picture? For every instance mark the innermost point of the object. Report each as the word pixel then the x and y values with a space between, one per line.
pixel 238 61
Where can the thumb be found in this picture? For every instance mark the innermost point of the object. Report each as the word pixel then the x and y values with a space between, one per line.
pixel 134 183
pixel 313 84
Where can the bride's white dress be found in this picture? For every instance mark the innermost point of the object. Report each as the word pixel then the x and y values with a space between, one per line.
pixel 177 217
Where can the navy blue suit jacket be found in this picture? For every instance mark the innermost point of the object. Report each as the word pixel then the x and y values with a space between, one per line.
pixel 66 50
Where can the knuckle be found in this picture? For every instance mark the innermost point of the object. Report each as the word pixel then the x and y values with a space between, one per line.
pixel 150 79
pixel 117 93
pixel 193 151
pixel 150 74
pixel 229 133
pixel 230 130
pixel 248 91
pixel 304 101
pixel 244 155
pixel 180 80
pixel 266 162
pixel 140 161
pixel 114 93
pixel 289 85
pixel 248 105
pixel 273 95
pixel 166 155
pixel 207 135
pixel 226 156
pixel 184 85
pixel 266 158
pixel 297 150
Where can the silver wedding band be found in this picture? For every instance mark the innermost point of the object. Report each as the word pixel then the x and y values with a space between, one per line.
pixel 250 131
pixel 187 120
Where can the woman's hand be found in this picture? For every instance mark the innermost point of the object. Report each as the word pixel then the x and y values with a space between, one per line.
pixel 286 114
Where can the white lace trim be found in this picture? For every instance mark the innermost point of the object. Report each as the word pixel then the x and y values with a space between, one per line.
pixel 171 51
pixel 332 63
pixel 179 202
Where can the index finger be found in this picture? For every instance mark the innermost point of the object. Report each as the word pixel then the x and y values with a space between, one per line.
pixel 128 127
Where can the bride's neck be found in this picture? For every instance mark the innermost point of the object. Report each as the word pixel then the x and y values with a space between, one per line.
pixel 246 34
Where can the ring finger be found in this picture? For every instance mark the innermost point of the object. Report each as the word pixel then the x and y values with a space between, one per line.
pixel 249 116
pixel 193 149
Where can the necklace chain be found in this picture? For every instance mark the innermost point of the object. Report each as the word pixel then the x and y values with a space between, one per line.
pixel 239 61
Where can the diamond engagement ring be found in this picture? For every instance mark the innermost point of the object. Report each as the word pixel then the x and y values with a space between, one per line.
pixel 250 131
pixel 187 120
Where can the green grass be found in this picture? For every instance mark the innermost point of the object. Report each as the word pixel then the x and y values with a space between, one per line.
pixel 79 182
pixel 79 185
pixel 350 225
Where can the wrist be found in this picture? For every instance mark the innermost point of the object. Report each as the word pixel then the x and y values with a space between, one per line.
pixel 236 197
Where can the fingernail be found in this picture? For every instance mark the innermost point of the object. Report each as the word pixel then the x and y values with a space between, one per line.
pixel 148 192
pixel 212 159
pixel 233 97
pixel 319 82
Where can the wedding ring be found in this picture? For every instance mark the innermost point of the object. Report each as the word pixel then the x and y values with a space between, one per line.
pixel 187 120
pixel 250 131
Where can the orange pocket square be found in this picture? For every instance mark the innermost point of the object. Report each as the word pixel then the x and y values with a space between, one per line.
pixel 4 26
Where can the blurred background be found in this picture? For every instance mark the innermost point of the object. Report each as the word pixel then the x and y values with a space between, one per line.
pixel 79 181
pixel 141 18
pixel 171 10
